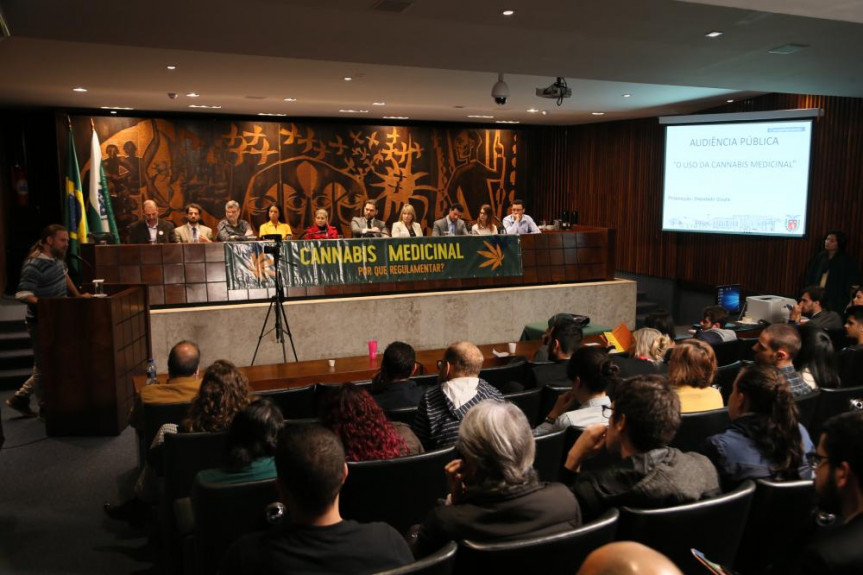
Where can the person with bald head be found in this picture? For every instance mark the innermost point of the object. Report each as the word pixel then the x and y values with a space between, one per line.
pixel 444 406
pixel 182 384
pixel 627 558
pixel 151 230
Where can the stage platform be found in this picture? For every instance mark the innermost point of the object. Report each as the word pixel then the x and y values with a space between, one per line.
pixel 341 327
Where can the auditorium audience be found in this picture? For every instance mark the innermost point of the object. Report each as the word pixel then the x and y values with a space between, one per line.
pixel 627 558
pixel 713 320
pixel 484 225
pixel 816 361
pixel 778 344
pixel 838 466
pixel 592 373
pixel 765 439
pixel 182 384
pixel 813 306
pixel 494 494
pixel 444 406
pixel 407 226
pixel 273 225
pixel 645 416
pixel 393 387
pixel 563 341
pixel 251 445
pixel 647 354
pixel 851 358
pixel 451 224
pixel 311 470
pixel 360 423
pixel 322 230
pixel 835 270
pixel 691 369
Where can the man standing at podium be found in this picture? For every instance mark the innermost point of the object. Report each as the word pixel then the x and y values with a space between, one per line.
pixel 44 274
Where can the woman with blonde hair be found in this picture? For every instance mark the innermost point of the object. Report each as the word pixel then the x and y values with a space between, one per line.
pixel 691 369
pixel 484 225
pixel 407 226
pixel 322 230
pixel 647 354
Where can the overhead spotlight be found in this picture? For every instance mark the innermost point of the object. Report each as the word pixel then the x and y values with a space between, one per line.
pixel 500 91
pixel 557 91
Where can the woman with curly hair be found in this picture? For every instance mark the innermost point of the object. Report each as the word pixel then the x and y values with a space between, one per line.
pixel 224 391
pixel 647 355
pixel 765 438
pixel 353 414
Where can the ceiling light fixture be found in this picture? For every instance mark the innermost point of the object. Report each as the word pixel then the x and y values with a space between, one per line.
pixel 113 111
pixel 348 78
pixel 290 99
pixel 193 95
pixel 270 114
pixel 507 122
pixel 729 101
pixel 396 118
pixel 115 108
pixel 379 103
pixel 350 111
pixel 627 95
pixel 481 116
pixel 170 67
pixel 597 113
pixel 714 34
pixel 205 106
pixel 79 89
pixel 508 12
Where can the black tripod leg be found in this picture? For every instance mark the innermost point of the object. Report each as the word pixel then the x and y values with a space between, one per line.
pixel 263 330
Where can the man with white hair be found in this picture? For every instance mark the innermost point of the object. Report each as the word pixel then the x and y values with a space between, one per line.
pixel 494 492
pixel 232 228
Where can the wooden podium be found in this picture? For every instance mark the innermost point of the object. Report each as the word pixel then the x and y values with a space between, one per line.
pixel 91 348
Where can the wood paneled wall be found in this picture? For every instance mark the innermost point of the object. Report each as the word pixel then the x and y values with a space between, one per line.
pixel 612 173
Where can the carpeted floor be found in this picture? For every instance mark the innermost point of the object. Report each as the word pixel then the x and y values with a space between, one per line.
pixel 51 495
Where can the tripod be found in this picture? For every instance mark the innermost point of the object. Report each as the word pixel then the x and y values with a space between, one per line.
pixel 281 327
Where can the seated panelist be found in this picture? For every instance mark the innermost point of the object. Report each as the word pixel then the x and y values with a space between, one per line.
pixel 322 230
pixel 274 226
pixel 367 226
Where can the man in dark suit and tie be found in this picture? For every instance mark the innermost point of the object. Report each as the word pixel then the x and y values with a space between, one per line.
pixel 366 226
pixel 151 230
pixel 451 224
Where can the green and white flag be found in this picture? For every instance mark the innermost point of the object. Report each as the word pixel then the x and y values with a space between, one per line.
pixel 100 215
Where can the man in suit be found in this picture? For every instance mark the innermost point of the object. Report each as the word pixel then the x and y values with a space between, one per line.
pixel 193 232
pixel 813 305
pixel 452 224
pixel 151 230
pixel 366 226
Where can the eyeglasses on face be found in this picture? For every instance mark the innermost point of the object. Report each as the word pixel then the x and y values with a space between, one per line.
pixel 607 410
pixel 815 460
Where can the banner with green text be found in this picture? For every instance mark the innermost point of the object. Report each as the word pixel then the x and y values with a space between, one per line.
pixel 356 261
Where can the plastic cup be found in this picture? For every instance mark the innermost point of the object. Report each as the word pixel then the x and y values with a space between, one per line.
pixel 331 362
pixel 373 349
pixel 511 347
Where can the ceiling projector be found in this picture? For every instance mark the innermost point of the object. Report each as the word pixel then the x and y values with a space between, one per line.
pixel 557 91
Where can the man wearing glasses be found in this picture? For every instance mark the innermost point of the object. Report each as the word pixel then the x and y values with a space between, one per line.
pixel 838 466
pixel 443 407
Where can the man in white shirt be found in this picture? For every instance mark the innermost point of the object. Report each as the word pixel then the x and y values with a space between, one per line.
pixel 519 222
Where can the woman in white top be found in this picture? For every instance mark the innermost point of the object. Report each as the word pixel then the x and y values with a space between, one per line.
pixel 484 225
pixel 407 225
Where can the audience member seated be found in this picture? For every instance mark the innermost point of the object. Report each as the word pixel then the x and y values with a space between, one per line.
pixel 662 322
pixel 816 361
pixel 592 373
pixel 834 269
pixel 813 305
pixel 856 297
pixel 407 226
pixel 367 225
pixel 518 222
pixel 494 494
pixel 484 225
pixel 627 558
pixel 232 227
pixel 451 224
pixel 352 414
pixel 713 320
pixel 193 232
pixel 444 406
pixel 273 225
pixel 393 387
pixel 311 470
pixel 691 369
pixel 564 340
pixel 764 439
pixel 645 416
pixel 322 230
pixel 223 392
pixel 647 355
pixel 542 352
pixel 251 445
pixel 151 230
pixel 777 346
pixel 851 358
pixel 182 384
pixel 838 465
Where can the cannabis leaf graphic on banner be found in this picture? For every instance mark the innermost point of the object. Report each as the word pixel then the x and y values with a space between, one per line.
pixel 494 256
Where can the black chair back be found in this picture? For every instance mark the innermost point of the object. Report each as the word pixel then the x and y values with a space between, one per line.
pixel 561 553
pixel 430 379
pixel 779 525
pixel 528 401
pixel 402 414
pixel 696 427
pixel 510 378
pixel 744 350
pixel 833 402
pixel 713 526
pixel 549 397
pixel 725 377
pixel 441 562
pixel 223 513
pixel 154 416
pixel 727 352
pixel 549 454
pixel 807 405
pixel 397 491
pixel 185 454
pixel 295 402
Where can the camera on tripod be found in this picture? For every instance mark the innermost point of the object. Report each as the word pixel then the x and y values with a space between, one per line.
pixel 273 250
